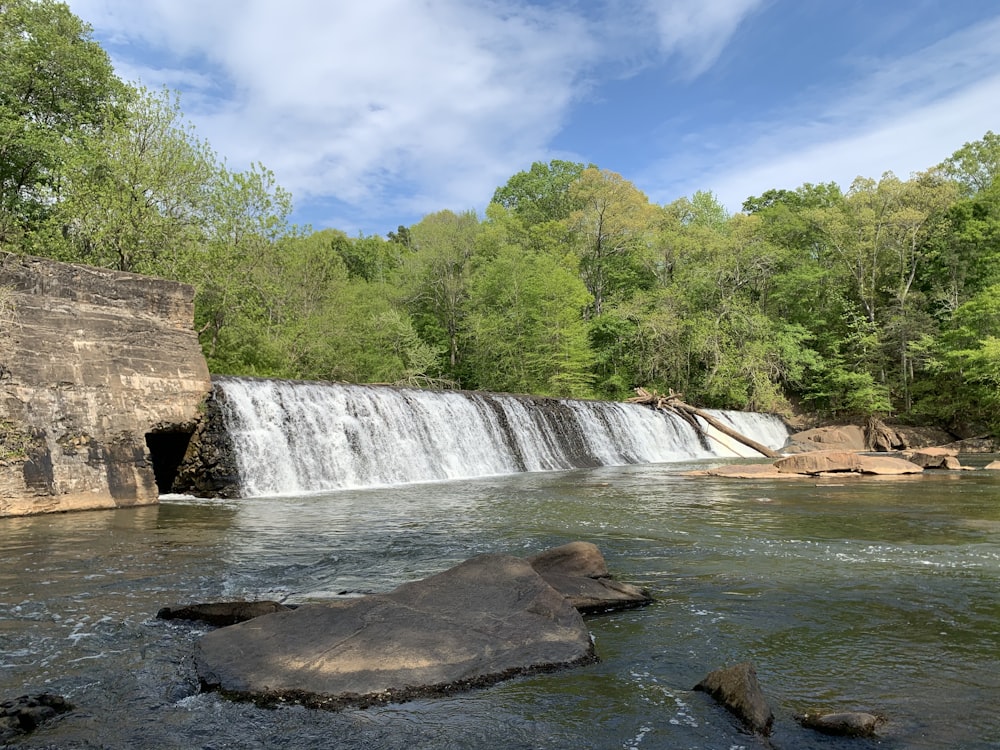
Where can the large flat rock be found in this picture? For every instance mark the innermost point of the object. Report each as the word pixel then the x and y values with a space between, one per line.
pixel 833 462
pixel 487 619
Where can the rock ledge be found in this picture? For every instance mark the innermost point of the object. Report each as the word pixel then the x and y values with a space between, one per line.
pixel 488 619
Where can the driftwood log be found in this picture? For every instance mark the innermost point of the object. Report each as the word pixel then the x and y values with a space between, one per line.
pixel 673 403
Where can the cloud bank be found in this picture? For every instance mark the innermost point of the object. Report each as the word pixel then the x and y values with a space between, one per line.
pixel 376 113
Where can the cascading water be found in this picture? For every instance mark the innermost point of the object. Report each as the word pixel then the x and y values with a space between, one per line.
pixel 293 437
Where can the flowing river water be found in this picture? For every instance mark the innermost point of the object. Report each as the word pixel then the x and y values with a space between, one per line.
pixel 861 594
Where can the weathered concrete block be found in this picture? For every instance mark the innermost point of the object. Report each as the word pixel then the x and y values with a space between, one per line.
pixel 101 383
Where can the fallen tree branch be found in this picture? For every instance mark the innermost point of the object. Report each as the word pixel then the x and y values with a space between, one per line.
pixel 673 403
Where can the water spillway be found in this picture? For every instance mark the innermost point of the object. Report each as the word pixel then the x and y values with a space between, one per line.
pixel 293 437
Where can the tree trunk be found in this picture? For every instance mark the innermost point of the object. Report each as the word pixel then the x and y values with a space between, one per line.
pixel 673 403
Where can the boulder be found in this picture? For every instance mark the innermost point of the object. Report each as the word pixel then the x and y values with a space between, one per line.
pixel 839 437
pixel 923 437
pixel 993 466
pixel 934 458
pixel 838 462
pixel 593 595
pixel 221 613
pixel 887 466
pixel 820 462
pixel 737 689
pixel 485 620
pixel 573 559
pixel 976 445
pixel 579 572
pixel 22 715
pixel 844 724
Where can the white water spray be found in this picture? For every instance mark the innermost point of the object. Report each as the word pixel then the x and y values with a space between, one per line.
pixel 294 437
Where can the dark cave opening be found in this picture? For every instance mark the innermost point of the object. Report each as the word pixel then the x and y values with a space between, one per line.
pixel 167 449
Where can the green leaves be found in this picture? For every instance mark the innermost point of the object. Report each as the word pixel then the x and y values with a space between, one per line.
pixel 525 332
pixel 57 88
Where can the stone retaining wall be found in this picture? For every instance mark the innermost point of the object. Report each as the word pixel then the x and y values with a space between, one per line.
pixel 102 382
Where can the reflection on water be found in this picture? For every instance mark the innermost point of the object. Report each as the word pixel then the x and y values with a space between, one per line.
pixel 852 595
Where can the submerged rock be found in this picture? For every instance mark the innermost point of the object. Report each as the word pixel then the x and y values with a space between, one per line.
pixel 737 689
pixel 744 471
pixel 844 724
pixel 579 572
pixel 485 620
pixel 22 715
pixel 220 613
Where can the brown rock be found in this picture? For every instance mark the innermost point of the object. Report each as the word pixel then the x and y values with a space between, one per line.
pixel 573 559
pixel 993 466
pixel 745 471
pixel 844 724
pixel 887 466
pixel 952 464
pixel 579 572
pixel 839 437
pixel 593 595
pixel 933 458
pixel 984 444
pixel 488 619
pixel 923 437
pixel 818 462
pixel 737 689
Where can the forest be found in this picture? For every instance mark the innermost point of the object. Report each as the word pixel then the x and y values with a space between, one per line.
pixel 878 299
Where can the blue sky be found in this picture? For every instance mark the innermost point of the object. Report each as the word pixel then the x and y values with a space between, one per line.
pixel 374 113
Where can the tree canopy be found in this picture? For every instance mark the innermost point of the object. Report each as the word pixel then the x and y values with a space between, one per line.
pixel 880 298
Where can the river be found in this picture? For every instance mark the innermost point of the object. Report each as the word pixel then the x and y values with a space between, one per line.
pixel 862 594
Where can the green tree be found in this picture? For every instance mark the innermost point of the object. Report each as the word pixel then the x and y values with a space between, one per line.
pixel 965 394
pixel 247 216
pixel 975 166
pixel 524 329
pixel 613 228
pixel 542 193
pixel 434 279
pixel 370 258
pixel 879 240
pixel 57 88
pixel 139 195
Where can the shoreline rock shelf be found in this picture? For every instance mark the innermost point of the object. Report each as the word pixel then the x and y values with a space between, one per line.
pixel 842 463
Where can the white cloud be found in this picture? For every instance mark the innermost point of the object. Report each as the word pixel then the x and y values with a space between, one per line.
pixel 346 98
pixel 911 142
pixel 698 32
pixel 901 115
pixel 413 105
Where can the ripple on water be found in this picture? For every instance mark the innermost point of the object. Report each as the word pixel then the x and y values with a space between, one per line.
pixel 842 598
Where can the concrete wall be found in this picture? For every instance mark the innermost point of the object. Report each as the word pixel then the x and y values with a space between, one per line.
pixel 96 367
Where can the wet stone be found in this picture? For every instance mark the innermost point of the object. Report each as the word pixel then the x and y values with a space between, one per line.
pixel 23 714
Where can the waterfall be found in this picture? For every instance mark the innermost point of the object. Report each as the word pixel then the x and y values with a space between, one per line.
pixel 294 437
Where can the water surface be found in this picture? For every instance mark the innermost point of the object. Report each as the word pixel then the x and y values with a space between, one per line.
pixel 876 595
